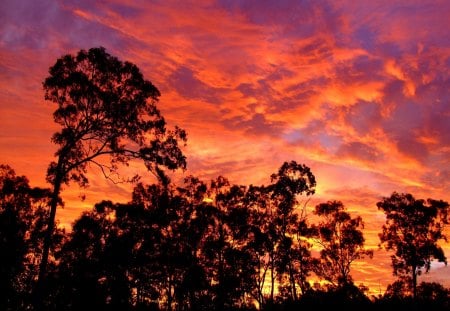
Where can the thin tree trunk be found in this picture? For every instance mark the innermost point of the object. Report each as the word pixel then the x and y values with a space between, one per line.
pixel 261 283
pixel 414 280
pixel 292 281
pixel 169 295
pixel 49 233
pixel 40 290
pixel 220 294
pixel 272 267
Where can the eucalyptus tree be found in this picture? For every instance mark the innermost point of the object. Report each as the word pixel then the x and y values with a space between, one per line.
pixel 412 230
pixel 259 246
pixel 108 117
pixel 220 252
pixel 21 227
pixel 342 241
pixel 291 181
pixel 83 271
pixel 190 227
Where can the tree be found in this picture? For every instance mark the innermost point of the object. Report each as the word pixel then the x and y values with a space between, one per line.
pixel 82 264
pixel 190 230
pixel 258 240
pixel 219 252
pixel 108 115
pixel 291 181
pixel 434 293
pixel 155 221
pixel 413 229
pixel 430 296
pixel 342 242
pixel 21 227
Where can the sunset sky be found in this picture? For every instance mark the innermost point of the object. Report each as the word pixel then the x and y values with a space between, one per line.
pixel 356 90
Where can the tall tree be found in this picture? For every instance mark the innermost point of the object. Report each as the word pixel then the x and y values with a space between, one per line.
pixel 291 181
pixel 217 244
pixel 413 228
pixel 259 240
pixel 190 229
pixel 108 115
pixel 342 242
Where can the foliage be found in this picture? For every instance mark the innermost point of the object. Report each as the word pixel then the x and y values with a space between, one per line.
pixel 108 116
pixel 341 239
pixel 289 256
pixel 105 107
pixel 196 246
pixel 413 229
pixel 22 216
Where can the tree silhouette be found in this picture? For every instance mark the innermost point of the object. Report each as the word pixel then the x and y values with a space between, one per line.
pixel 430 296
pixel 258 240
pixel 434 293
pixel 108 115
pixel 191 226
pixel 219 251
pixel 22 213
pixel 161 247
pixel 212 246
pixel 413 229
pixel 82 264
pixel 291 181
pixel 304 263
pixel 131 255
pixel 342 242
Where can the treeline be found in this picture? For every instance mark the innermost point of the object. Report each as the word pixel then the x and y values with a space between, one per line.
pixel 209 246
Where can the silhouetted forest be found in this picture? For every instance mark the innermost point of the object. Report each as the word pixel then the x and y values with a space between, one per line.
pixel 197 245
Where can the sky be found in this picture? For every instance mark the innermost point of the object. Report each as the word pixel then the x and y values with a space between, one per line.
pixel 355 90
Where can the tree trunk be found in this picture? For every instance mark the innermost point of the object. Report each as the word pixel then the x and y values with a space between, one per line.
pixel 272 278
pixel 169 294
pixel 261 282
pixel 292 281
pixel 40 290
pixel 220 305
pixel 414 281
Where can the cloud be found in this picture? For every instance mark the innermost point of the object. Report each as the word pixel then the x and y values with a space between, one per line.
pixel 359 151
pixel 256 126
pixel 188 86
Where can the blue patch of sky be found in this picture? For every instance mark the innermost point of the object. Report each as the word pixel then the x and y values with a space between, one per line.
pixel 301 136
pixel 329 142
pixel 293 136
pixel 363 115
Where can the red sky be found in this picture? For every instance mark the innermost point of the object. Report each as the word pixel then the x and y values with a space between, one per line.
pixel 356 90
